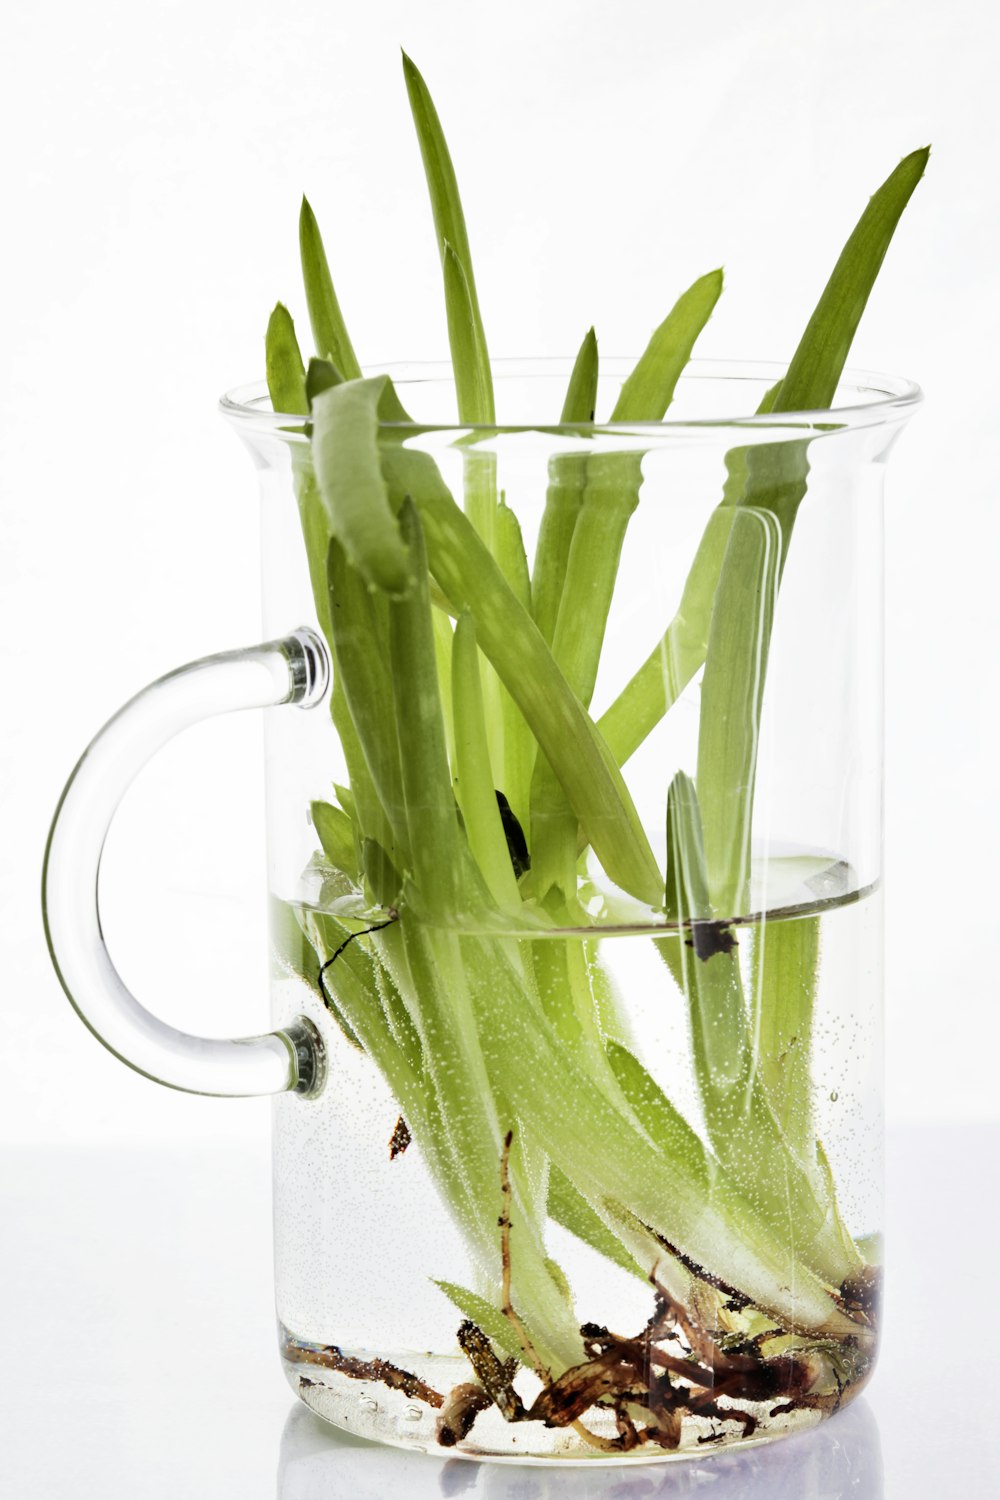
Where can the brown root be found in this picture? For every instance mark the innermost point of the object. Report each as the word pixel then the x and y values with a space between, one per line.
pixel 329 1357
pixel 675 1368
pixel 461 1409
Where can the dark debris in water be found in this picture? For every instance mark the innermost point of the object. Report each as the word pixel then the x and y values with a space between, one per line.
pixel 400 1139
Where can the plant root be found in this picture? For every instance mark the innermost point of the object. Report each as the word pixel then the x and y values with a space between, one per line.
pixel 461 1409
pixel 674 1369
pixel 330 1357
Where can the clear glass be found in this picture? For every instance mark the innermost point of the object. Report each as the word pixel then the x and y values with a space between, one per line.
pixel 293 670
pixel 596 1175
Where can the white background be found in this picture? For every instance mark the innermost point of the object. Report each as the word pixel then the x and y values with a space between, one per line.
pixel 154 156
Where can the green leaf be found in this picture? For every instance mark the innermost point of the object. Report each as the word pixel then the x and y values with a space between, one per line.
pixel 649 389
pixel 381 874
pixel 819 361
pixel 674 660
pixel 518 741
pixel 474 776
pixel 664 1124
pixel 567 477
pixel 465 326
pixel 335 832
pixel 485 1316
pixel 785 978
pixel 345 456
pixel 321 376
pixel 291 950
pixel 732 695
pixel 581 396
pixel 363 680
pixel 436 849
pixel 551 1094
pixel 610 495
pixel 329 330
pixel 703 956
pixel 776 476
pixel 570 1209
pixel 294 953
pixel 745 1131
pixel 509 638
pixel 286 378
pixel 817 364
pixel 471 361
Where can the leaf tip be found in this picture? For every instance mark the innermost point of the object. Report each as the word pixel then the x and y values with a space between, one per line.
pixel 279 314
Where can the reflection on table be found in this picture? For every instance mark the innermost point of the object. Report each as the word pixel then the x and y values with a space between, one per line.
pixel 838 1459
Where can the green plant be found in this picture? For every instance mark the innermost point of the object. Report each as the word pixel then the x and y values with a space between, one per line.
pixel 463 681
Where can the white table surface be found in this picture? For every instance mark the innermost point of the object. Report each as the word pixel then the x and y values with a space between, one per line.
pixel 139 1359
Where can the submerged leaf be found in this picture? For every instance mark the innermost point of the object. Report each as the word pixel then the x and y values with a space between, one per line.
pixel 487 1317
pixel 336 834
pixel 380 873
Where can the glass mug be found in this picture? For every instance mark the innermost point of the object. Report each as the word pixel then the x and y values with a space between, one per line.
pixel 575 866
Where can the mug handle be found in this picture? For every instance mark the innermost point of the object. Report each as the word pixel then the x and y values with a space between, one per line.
pixel 292 670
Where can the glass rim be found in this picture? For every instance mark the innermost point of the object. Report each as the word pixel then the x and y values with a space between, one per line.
pixel 888 398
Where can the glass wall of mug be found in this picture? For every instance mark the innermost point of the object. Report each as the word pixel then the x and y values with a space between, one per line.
pixel 579 880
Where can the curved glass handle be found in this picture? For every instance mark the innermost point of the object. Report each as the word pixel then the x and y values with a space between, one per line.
pixel 293 670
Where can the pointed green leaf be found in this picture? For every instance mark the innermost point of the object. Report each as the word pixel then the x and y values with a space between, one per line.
pixel 485 1316
pixel 649 389
pixel 335 832
pixel 818 362
pixel 469 351
pixel 329 330
pixel 581 396
pixel 776 476
pixel 286 378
